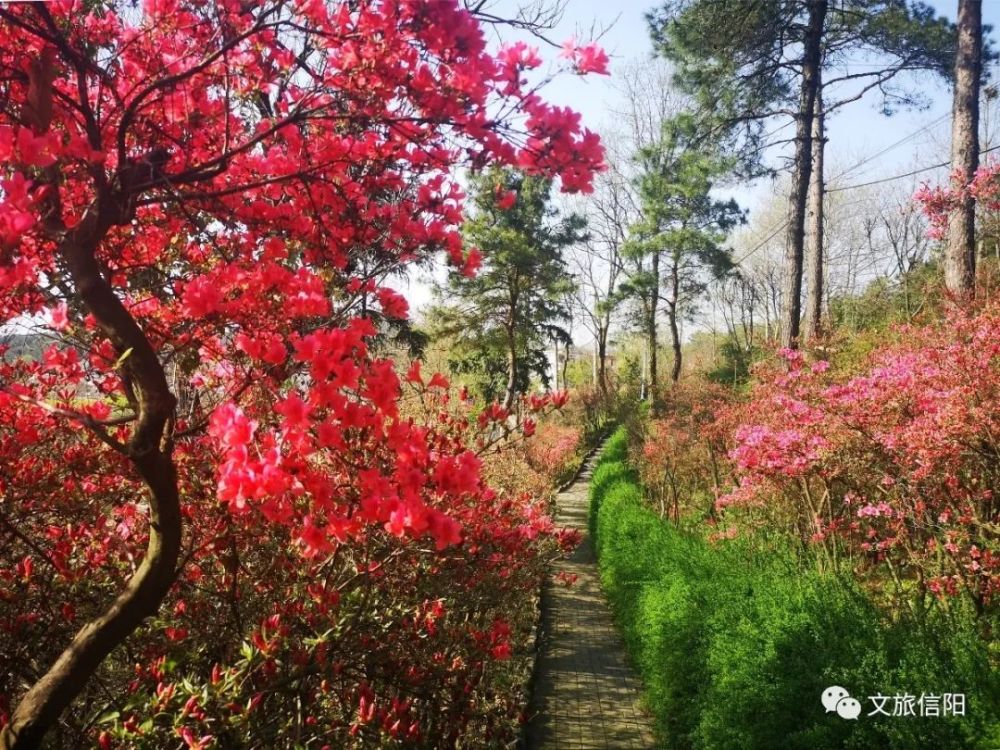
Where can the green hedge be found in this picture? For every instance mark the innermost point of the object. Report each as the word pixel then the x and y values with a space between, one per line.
pixel 736 643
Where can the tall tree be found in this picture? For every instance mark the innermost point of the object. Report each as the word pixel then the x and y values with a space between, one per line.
pixel 960 253
pixel 814 230
pixel 681 231
pixel 505 317
pixel 747 63
pixel 801 172
pixel 600 264
pixel 902 38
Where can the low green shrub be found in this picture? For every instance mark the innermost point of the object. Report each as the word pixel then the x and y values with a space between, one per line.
pixel 736 642
pixel 611 468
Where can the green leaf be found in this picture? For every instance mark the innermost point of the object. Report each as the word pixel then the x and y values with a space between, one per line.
pixel 109 717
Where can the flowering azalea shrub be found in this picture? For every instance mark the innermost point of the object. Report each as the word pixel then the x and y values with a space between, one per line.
pixel 597 410
pixel 267 633
pixel 897 466
pixel 219 526
pixel 938 201
pixel 555 450
pixel 560 443
pixel 681 459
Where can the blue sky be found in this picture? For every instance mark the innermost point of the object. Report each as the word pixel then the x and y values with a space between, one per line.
pixel 855 134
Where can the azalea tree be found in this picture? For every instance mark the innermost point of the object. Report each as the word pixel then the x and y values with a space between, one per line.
pixel 200 205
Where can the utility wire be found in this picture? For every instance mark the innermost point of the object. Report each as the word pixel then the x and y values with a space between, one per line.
pixel 761 244
pixel 897 144
pixel 774 233
pixel 906 174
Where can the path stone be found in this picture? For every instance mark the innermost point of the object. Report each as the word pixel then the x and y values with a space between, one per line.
pixel 586 696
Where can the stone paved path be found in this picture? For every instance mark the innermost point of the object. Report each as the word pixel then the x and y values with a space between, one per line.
pixel 586 696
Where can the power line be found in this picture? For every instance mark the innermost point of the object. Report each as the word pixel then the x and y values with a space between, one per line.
pixel 889 179
pixel 763 242
pixel 895 145
pixel 774 233
pixel 904 175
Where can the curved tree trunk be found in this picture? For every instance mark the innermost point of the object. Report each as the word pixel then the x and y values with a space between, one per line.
pixel 795 235
pixel 149 448
pixel 960 252
pixel 814 243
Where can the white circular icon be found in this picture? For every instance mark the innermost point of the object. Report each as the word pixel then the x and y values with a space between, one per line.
pixel 848 708
pixel 832 696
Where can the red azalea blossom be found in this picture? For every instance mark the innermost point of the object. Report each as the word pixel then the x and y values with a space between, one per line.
pixel 506 199
pixel 588 58
pixel 200 205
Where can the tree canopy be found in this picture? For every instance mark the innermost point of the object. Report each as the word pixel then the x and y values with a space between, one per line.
pixel 505 318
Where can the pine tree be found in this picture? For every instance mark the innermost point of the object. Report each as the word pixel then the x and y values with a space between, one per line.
pixel 505 317
pixel 960 252
pixel 679 239
pixel 746 63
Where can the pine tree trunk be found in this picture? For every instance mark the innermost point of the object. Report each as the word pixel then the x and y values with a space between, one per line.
pixel 654 295
pixel 960 253
pixel 565 367
pixel 795 236
pixel 814 241
pixel 602 361
pixel 643 378
pixel 675 340
pixel 675 336
pixel 555 362
pixel 510 391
